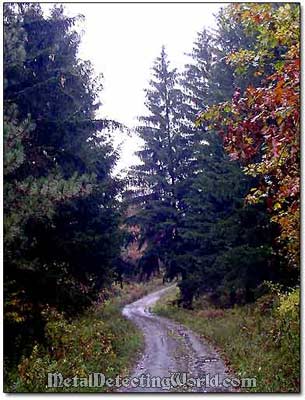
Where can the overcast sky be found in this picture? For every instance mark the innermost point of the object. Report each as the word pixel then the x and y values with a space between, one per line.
pixel 122 41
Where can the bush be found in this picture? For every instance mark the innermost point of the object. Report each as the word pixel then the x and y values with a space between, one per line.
pixel 102 340
pixel 94 343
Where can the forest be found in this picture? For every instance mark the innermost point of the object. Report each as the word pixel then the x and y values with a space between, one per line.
pixel 213 204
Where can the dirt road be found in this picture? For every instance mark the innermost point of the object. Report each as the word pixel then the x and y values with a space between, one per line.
pixel 172 348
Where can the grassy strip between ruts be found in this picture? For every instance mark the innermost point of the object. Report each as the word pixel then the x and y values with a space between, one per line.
pixel 261 340
pixel 101 340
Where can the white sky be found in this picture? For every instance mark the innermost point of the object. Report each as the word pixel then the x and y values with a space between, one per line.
pixel 122 41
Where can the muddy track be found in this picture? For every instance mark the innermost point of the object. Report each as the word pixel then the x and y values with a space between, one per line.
pixel 170 348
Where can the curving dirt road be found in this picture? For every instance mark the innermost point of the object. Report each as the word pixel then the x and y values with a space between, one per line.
pixel 172 348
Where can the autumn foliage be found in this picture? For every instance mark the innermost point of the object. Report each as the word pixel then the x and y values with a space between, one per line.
pixel 261 126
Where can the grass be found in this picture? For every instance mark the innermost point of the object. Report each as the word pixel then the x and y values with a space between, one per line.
pixel 101 340
pixel 259 340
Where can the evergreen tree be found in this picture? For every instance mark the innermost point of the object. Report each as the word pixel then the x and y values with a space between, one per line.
pixel 165 158
pixel 62 218
pixel 189 192
pixel 215 232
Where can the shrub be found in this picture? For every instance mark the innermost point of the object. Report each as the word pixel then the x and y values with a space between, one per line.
pixel 92 343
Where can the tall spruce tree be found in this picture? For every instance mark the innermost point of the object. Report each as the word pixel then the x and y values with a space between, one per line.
pixel 61 214
pixel 221 232
pixel 166 156
pixel 190 194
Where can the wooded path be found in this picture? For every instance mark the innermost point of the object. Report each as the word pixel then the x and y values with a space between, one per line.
pixel 171 348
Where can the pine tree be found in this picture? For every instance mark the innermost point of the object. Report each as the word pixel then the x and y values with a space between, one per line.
pixel 165 158
pixel 214 232
pixel 62 217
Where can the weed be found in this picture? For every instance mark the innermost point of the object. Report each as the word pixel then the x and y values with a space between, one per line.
pixel 261 340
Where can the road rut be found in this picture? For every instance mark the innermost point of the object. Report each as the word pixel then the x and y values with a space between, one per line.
pixel 172 350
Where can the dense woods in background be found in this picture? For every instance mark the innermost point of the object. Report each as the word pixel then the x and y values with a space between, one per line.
pixel 206 190
pixel 214 201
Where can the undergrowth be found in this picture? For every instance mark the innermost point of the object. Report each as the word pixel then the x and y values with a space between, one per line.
pixel 261 340
pixel 100 341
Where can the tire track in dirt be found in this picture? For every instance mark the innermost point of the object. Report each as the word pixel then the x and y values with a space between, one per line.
pixel 172 348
